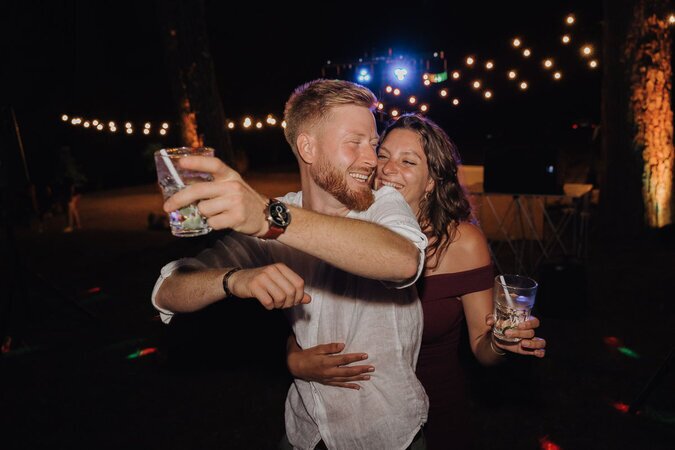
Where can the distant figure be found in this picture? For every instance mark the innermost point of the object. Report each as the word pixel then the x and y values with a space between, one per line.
pixel 74 222
pixel 71 179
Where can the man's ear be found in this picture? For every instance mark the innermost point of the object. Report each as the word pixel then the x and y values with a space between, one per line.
pixel 306 149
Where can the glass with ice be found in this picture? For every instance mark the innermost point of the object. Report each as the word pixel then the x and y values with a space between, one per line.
pixel 187 221
pixel 513 300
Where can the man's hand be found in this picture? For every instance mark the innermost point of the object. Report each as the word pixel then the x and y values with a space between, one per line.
pixel 226 202
pixel 528 344
pixel 275 286
pixel 324 365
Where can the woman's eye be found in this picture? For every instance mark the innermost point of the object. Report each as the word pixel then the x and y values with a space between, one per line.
pixel 381 156
pixel 409 163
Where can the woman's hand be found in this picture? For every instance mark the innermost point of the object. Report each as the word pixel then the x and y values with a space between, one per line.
pixel 528 344
pixel 325 365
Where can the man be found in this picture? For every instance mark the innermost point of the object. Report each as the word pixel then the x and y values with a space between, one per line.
pixel 323 265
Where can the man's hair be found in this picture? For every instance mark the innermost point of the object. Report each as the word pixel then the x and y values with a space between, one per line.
pixel 311 103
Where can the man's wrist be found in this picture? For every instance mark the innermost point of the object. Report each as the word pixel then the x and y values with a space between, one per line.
pixel 226 281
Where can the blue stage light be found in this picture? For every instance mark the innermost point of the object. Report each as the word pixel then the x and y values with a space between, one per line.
pixel 363 76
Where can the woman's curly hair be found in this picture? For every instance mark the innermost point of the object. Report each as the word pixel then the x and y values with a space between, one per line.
pixel 442 209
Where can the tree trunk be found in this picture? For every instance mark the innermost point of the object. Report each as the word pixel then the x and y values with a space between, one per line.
pixel 192 75
pixel 648 53
pixel 637 119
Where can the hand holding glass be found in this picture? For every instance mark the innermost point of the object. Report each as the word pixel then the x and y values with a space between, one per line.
pixel 187 221
pixel 513 298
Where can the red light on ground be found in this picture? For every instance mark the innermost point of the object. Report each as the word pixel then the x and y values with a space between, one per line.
pixel 94 290
pixel 612 341
pixel 546 444
pixel 575 126
pixel 621 407
pixel 147 351
pixel 143 352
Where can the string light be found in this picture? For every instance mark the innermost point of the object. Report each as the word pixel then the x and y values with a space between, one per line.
pixel 424 108
pixel 671 19
pixel 427 80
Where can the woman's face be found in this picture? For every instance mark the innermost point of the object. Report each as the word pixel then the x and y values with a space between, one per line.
pixel 402 164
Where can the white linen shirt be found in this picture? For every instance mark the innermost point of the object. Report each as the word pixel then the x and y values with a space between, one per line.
pixel 386 323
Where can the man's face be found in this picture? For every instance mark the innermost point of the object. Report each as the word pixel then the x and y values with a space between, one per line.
pixel 346 159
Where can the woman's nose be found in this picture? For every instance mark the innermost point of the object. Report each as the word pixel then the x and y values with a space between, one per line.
pixel 389 167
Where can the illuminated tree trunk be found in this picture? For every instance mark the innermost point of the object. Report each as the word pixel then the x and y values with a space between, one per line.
pixel 648 51
pixel 637 121
pixel 192 76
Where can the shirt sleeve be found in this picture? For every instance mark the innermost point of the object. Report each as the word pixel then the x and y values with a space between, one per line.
pixel 233 249
pixel 392 211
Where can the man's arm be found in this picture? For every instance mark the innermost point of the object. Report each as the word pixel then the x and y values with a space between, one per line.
pixel 359 247
pixel 356 246
pixel 186 289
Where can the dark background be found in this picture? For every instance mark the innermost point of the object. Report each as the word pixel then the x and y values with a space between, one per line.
pixel 105 60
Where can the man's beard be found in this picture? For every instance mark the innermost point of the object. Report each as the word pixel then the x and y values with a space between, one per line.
pixel 332 181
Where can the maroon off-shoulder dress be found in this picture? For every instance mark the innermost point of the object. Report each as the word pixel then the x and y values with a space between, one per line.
pixel 438 365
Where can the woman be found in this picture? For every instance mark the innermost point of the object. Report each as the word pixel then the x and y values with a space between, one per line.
pixel 417 158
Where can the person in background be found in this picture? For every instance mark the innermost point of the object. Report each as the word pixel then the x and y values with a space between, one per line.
pixel 417 158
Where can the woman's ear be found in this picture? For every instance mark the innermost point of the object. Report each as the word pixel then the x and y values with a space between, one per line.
pixel 305 148
pixel 431 184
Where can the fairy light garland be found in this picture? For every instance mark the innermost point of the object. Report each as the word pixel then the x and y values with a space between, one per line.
pixel 471 62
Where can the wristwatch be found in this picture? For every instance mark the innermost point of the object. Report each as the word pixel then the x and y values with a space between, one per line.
pixel 278 217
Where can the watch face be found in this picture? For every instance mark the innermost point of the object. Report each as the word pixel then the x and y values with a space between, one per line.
pixel 279 214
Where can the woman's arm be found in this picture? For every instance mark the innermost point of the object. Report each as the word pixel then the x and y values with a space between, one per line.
pixel 323 364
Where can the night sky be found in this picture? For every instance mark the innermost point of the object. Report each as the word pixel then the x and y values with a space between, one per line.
pixel 105 60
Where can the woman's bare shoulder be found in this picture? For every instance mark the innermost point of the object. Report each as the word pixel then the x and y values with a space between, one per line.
pixel 468 251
